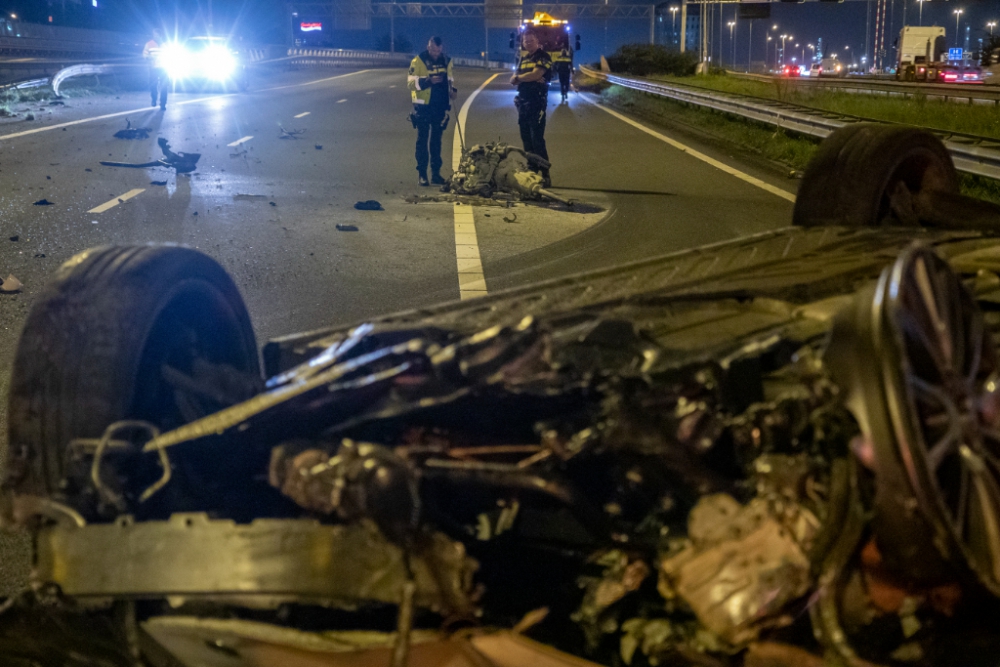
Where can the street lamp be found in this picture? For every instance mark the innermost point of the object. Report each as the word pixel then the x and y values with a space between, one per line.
pixel 811 46
pixel 921 22
pixel 783 38
pixel 673 22
pixel 767 50
pixel 732 44
pixel 991 25
pixel 958 15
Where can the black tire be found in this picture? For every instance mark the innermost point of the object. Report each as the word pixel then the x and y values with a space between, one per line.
pixel 92 350
pixel 849 180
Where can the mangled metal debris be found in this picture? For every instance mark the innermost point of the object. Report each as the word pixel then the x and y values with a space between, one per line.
pixel 133 132
pixel 183 163
pixel 488 169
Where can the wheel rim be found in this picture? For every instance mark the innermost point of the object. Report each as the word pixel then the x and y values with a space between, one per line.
pixel 946 384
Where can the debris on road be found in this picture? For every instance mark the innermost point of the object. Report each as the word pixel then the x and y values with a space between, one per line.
pixel 238 154
pixel 368 205
pixel 133 132
pixel 15 238
pixel 184 163
pixel 346 228
pixel 488 169
pixel 10 285
pixel 319 147
pixel 294 134
pixel 272 203
pixel 158 183
pixel 43 202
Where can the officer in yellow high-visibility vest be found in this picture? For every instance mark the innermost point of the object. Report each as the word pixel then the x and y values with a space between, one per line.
pixel 432 88
pixel 562 61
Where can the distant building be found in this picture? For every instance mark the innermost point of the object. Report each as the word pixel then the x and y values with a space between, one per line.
pixel 693 36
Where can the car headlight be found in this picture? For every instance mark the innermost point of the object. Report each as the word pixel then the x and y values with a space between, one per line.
pixel 176 60
pixel 219 62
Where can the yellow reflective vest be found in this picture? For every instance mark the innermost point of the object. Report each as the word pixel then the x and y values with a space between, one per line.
pixel 422 67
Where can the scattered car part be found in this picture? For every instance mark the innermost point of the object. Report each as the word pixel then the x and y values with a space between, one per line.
pixel 184 163
pixel 133 132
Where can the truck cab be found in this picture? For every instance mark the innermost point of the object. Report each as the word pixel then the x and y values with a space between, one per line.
pixel 922 52
pixel 553 34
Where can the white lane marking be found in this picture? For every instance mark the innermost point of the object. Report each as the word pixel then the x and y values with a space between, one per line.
pixel 303 114
pixel 341 101
pixel 46 128
pixel 313 83
pixel 393 86
pixel 117 200
pixel 732 171
pixel 471 281
pixel 244 139
pixel 370 92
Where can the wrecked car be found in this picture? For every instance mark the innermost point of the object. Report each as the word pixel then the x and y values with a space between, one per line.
pixel 778 450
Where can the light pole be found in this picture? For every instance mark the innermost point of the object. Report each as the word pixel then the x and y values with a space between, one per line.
pixel 991 25
pixel 767 50
pixel 958 15
pixel 813 47
pixel 732 42
pixel 783 38
pixel 802 55
pixel 921 21
pixel 673 23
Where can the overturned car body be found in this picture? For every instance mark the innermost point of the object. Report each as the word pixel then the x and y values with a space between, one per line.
pixel 774 451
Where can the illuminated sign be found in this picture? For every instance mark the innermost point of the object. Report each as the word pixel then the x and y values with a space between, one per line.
pixel 955 54
pixel 311 27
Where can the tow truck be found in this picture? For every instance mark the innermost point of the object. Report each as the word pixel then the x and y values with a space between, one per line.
pixel 552 33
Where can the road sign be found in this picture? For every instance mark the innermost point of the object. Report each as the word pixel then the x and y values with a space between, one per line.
pixel 955 54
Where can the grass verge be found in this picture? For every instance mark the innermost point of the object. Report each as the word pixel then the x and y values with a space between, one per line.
pixel 787 150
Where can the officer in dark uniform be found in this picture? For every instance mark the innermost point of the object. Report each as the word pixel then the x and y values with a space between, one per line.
pixel 431 83
pixel 534 72
pixel 563 61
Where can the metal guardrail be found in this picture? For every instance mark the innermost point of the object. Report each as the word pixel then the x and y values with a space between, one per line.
pixel 357 57
pixel 946 91
pixel 970 153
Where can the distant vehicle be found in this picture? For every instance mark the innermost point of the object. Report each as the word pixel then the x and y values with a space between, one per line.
pixel 992 67
pixel 960 74
pixel 789 70
pixel 553 34
pixel 922 53
pixel 204 61
pixel 831 67
pixel 815 69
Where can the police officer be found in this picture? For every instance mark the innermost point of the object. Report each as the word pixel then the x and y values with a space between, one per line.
pixel 432 88
pixel 534 71
pixel 157 75
pixel 563 62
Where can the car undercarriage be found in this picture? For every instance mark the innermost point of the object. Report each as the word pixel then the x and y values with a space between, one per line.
pixel 780 450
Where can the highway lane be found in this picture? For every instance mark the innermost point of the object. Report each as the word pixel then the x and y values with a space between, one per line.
pixel 268 207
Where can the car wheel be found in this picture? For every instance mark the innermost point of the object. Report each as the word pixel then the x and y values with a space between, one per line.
pixel 928 406
pixel 862 171
pixel 157 334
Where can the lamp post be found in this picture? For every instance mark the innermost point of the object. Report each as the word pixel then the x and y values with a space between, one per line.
pixel 673 22
pixel 767 50
pixel 921 21
pixel 783 39
pixel 813 47
pixel 958 15
pixel 732 42
pixel 991 25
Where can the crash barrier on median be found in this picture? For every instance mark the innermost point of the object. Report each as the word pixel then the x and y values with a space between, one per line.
pixel 32 38
pixel 948 91
pixel 362 58
pixel 971 154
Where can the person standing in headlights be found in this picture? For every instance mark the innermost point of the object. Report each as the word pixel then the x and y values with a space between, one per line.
pixel 157 75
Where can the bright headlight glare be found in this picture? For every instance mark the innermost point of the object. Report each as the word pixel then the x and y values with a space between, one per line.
pixel 176 60
pixel 218 62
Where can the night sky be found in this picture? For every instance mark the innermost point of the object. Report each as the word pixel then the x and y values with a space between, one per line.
pixel 840 25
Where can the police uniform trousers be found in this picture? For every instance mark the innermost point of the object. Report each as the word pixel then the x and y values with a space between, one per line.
pixel 531 121
pixel 430 126
pixel 564 70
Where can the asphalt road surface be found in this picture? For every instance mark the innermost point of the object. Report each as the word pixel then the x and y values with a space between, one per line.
pixel 267 205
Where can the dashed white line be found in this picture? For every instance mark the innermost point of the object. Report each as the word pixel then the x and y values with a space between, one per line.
pixel 732 171
pixel 393 86
pixel 341 101
pixel 370 92
pixel 303 114
pixel 471 281
pixel 244 139
pixel 117 200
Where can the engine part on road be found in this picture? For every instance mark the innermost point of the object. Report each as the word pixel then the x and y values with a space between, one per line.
pixel 488 169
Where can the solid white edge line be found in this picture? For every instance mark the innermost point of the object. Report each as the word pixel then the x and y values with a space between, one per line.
pixel 117 200
pixel 36 130
pixel 303 114
pixel 732 171
pixel 240 141
pixel 471 281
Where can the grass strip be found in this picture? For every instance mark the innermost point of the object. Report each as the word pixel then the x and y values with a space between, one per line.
pixel 791 151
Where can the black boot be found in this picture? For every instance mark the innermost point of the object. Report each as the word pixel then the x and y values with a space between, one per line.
pixel 437 179
pixel 422 178
pixel 546 179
